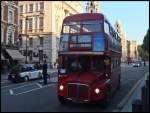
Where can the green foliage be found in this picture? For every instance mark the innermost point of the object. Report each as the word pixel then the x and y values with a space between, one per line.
pixel 142 53
pixel 145 44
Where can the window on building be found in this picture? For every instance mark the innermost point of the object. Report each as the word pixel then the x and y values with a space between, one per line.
pixel 26 8
pixel 41 23
pixel 2 12
pixel 36 24
pixel 36 6
pixel 41 6
pixel 21 9
pixel 10 17
pixel 20 22
pixel 66 12
pixel 10 37
pixel 30 42
pixel 30 24
pixel 41 41
pixel 31 8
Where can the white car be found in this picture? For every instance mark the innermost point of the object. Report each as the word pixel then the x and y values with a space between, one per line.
pixel 136 64
pixel 24 72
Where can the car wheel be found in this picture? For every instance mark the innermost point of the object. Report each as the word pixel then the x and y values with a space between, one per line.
pixel 26 78
pixel 40 75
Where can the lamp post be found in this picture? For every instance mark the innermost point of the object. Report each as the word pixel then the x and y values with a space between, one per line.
pixel 26 38
pixel 40 48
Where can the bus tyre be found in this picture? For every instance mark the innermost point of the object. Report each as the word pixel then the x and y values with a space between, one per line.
pixel 107 98
pixel 62 100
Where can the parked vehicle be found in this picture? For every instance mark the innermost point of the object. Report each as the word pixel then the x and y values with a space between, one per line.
pixel 24 72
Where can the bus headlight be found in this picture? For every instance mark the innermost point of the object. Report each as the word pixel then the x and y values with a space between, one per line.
pixel 97 91
pixel 61 87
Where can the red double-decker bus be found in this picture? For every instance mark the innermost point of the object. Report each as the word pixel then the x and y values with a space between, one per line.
pixel 89 59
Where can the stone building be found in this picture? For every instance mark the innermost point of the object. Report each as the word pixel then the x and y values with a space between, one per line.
pixel 9 22
pixel 92 7
pixel 119 29
pixel 41 22
pixel 134 51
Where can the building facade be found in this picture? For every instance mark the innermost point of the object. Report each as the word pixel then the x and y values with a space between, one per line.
pixel 41 22
pixel 134 51
pixel 119 29
pixel 92 7
pixel 9 22
pixel 128 51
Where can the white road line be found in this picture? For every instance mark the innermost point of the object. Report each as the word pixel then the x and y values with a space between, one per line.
pixel 4 82
pixel 24 86
pixel 11 92
pixel 33 89
pixel 39 85
pixel 13 85
pixel 125 99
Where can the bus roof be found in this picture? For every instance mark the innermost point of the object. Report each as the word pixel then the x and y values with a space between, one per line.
pixel 84 16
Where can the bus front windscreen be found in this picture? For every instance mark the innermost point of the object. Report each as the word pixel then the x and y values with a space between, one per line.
pixel 74 64
pixel 82 27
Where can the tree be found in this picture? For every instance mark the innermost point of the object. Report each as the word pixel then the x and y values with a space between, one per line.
pixel 145 44
pixel 142 53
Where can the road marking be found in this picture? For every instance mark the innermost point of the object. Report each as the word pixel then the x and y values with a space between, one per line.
pixel 13 85
pixel 24 86
pixel 11 92
pixel 33 89
pixel 4 82
pixel 126 98
pixel 39 85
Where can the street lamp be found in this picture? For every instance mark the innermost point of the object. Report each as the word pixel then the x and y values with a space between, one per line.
pixel 40 48
pixel 26 18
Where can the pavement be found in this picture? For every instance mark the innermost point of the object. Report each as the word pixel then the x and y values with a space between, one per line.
pixel 136 94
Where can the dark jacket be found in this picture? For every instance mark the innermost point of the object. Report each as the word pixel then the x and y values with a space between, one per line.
pixel 44 69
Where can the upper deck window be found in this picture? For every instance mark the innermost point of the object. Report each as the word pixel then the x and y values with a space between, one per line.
pixel 86 26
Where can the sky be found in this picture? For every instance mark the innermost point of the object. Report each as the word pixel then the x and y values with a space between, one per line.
pixel 134 16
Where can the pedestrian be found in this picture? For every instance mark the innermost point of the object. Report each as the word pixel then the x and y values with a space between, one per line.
pixel 144 63
pixel 45 72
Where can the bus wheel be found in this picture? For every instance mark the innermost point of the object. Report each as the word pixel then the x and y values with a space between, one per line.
pixel 62 100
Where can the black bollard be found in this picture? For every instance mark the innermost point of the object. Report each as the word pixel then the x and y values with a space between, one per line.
pixel 147 83
pixel 145 98
pixel 137 105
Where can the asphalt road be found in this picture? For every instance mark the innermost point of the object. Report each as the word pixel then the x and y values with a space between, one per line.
pixel 33 96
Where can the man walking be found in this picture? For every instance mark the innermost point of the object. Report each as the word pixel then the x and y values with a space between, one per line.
pixel 45 72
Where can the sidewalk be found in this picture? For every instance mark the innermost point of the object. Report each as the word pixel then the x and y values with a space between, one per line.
pixel 136 95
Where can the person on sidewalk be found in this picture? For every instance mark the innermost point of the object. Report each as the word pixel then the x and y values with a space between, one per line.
pixel 45 72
